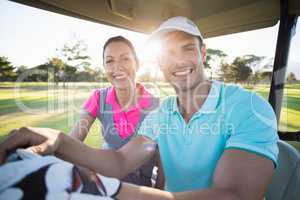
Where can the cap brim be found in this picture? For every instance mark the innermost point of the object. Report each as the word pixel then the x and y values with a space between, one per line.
pixel 156 35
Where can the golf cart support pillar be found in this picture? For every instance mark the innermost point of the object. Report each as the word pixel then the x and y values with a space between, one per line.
pixel 286 31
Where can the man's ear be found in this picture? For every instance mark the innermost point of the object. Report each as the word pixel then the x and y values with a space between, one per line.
pixel 203 53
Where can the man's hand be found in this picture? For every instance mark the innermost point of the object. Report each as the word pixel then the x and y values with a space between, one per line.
pixel 39 140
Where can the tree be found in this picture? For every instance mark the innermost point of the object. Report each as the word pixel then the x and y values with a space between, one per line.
pixel 77 62
pixel 213 56
pixel 241 69
pixel 21 69
pixel 266 70
pixel 38 73
pixel 100 75
pixel 7 72
pixel 88 74
pixel 75 54
pixel 266 76
pixel 226 74
pixel 54 69
pixel 291 77
pixel 61 70
pixel 255 77
pixel 253 61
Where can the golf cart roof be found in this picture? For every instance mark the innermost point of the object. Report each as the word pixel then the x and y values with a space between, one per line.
pixel 214 17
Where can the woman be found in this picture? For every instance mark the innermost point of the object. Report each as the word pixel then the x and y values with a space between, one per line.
pixel 120 108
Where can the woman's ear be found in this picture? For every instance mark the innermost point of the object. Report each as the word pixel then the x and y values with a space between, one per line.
pixel 203 52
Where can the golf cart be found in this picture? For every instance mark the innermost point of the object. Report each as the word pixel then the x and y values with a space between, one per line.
pixel 216 18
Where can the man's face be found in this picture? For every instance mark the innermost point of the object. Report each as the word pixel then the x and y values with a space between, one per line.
pixel 181 60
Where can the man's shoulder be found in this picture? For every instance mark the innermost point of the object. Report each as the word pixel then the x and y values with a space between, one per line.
pixel 243 103
pixel 234 91
pixel 235 94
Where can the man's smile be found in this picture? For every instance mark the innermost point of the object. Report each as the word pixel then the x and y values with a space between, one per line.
pixel 183 72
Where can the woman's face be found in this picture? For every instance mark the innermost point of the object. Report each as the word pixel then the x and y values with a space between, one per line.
pixel 120 65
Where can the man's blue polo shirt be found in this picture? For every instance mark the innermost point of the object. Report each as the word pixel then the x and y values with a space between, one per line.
pixel 231 117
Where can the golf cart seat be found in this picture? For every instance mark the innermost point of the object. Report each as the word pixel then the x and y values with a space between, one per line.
pixel 285 184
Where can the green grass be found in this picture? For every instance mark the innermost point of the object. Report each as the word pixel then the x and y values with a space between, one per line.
pixel 53 107
pixel 57 107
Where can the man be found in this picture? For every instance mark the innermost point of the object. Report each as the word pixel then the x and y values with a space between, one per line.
pixel 215 141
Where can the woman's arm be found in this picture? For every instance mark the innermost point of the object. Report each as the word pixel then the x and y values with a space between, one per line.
pixel 82 127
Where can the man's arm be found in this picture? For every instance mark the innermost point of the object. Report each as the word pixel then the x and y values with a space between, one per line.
pixel 107 162
pixel 239 175
pixel 247 174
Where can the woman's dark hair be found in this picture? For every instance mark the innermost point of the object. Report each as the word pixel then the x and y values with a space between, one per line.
pixel 124 40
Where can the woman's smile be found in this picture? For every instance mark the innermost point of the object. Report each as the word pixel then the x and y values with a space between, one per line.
pixel 119 75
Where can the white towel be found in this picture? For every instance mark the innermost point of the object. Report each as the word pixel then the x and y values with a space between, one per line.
pixel 48 177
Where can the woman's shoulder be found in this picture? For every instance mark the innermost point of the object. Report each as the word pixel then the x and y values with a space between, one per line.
pixel 99 91
pixel 95 93
pixel 104 88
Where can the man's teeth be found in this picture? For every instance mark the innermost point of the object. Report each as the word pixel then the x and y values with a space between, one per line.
pixel 183 73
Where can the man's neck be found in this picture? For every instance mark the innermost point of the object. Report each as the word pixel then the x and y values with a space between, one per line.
pixel 190 101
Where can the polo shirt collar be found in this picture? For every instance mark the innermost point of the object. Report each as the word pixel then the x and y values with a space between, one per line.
pixel 210 103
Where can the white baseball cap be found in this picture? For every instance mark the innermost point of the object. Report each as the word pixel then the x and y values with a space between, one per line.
pixel 178 23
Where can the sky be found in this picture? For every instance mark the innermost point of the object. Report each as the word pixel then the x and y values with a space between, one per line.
pixel 30 36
